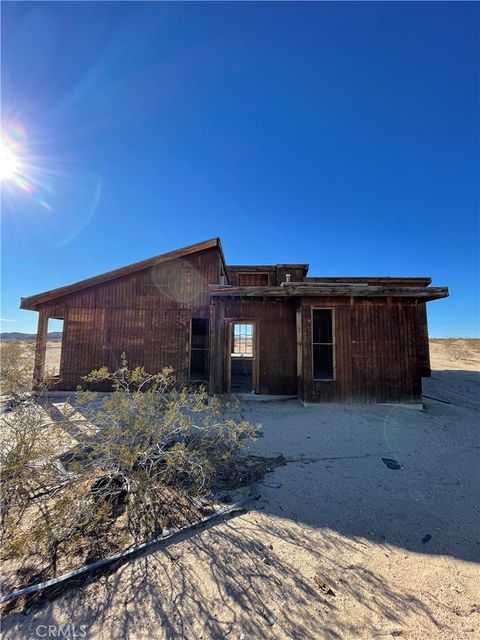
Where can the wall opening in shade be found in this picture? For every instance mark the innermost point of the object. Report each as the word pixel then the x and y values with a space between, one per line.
pixel 199 349
pixel 323 341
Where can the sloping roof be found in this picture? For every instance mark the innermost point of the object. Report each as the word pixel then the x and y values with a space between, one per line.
pixel 32 302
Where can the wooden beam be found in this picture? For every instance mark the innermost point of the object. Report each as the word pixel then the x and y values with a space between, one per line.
pixel 299 332
pixel 406 281
pixel 40 350
pixel 340 290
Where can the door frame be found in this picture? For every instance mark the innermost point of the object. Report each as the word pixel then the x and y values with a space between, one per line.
pixel 227 361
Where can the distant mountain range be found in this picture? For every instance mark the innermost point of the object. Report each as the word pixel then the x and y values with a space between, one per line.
pixel 15 335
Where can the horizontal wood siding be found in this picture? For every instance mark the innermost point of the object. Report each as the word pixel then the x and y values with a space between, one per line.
pixel 276 340
pixel 145 314
pixel 376 352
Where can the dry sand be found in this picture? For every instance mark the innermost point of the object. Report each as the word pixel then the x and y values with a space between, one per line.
pixel 340 517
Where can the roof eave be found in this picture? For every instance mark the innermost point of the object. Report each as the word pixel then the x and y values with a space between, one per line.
pixel 343 291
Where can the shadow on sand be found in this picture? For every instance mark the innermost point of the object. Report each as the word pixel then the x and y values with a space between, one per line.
pixel 337 501
pixel 160 594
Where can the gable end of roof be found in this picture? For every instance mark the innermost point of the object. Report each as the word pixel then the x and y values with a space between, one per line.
pixel 32 302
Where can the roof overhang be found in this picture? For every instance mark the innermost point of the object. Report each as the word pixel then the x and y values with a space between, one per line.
pixel 328 291
pixel 400 281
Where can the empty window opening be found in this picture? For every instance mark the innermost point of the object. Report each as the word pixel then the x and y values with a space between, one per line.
pixel 323 342
pixel 53 351
pixel 252 279
pixel 199 349
pixel 242 357
pixel 242 346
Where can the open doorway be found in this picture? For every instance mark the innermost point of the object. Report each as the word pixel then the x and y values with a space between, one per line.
pixel 53 350
pixel 242 357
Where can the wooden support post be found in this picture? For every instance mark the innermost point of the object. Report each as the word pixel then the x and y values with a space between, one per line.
pixel 40 349
pixel 213 348
pixel 216 347
pixel 299 328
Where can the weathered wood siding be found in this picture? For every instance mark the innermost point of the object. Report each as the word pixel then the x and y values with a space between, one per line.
pixel 217 346
pixel 381 343
pixel 296 274
pixel 145 314
pixel 276 340
pixel 376 351
pixel 276 273
pixel 423 344
pixel 234 272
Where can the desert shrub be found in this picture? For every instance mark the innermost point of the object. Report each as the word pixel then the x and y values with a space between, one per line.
pixel 465 349
pixel 16 367
pixel 462 352
pixel 118 466
pixel 460 348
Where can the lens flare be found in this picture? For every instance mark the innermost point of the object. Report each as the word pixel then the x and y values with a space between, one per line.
pixel 9 163
pixel 35 180
pixel 18 168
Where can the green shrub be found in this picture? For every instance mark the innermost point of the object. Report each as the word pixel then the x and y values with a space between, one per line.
pixel 127 463
pixel 16 367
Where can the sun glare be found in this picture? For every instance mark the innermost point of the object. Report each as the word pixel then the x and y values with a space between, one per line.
pixel 9 163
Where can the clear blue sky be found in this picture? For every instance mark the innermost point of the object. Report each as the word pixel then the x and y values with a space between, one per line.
pixel 343 135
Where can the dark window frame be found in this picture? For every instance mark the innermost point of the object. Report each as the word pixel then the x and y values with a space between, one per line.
pixel 332 344
pixel 205 350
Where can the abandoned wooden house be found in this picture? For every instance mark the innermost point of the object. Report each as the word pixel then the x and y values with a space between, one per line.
pixel 265 329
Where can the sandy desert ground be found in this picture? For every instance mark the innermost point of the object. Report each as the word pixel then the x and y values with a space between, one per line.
pixel 339 546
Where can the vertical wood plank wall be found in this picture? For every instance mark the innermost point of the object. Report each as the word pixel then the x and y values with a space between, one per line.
pixel 423 344
pixel 276 340
pixel 276 273
pixel 145 314
pixel 381 345
pixel 376 351
pixel 217 341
